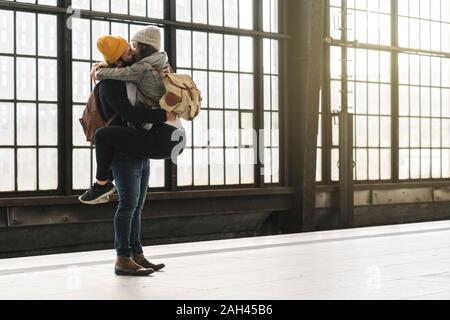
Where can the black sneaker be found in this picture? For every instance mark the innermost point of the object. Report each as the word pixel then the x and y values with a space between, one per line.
pixel 97 194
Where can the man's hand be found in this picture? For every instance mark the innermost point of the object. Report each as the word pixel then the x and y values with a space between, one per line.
pixel 97 66
pixel 171 116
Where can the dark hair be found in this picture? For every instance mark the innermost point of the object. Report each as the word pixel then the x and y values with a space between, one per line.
pixel 145 50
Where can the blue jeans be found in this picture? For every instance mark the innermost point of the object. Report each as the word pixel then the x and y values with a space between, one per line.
pixel 132 176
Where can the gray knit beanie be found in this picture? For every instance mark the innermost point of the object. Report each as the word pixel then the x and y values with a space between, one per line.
pixel 149 35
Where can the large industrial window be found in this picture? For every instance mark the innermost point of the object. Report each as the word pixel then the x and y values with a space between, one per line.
pixel 424 89
pixel 416 57
pixel 221 146
pixel 42 146
pixel 28 102
pixel 222 65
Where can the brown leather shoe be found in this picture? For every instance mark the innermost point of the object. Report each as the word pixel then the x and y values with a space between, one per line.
pixel 140 260
pixel 125 266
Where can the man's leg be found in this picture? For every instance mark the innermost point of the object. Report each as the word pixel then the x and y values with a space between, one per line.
pixel 127 171
pixel 135 239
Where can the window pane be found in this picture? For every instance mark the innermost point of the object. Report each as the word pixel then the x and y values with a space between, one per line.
pixel 404 132
pixel 275 165
pixel 80 81
pixel 47 35
pixel 232 166
pixel 275 130
pixel 200 126
pixel 267 165
pixel 246 14
pixel 319 165
pixel 6 77
pixel 26 33
pixel 6 124
pixel 231 91
pixel 374 164
pixel 7 170
pixel 183 10
pixel 231 13
pixel 155 8
pixel 99 5
pixel 246 91
pixel 201 79
pixel 361 164
pixel 48 124
pixel 26 170
pixel 47 80
pixel 215 90
pixel 26 124
pixel 247 133
pixel 404 164
pixel 78 137
pixel 48 169
pixel 200 167
pixel 216 160
pixel 385 168
pixel 231 128
pixel 275 98
pixel 26 78
pixel 436 163
pixel 215 51
pixel 120 29
pixel 6 31
pixel 183 49
pixel 81 4
pixel 199 11
pixel 184 168
pixel 119 6
pixel 231 53
pixel 81 171
pixel 216 128
pixel 216 12
pixel 246 54
pixel 247 165
pixel 137 7
pixel 200 50
pixel 157 173
pixel 81 38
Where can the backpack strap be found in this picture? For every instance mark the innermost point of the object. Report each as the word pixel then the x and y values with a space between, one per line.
pixel 111 119
pixel 95 84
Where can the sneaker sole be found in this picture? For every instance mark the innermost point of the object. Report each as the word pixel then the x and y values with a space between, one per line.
pixel 102 199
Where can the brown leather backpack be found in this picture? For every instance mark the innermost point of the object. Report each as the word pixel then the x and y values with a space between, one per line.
pixel 92 119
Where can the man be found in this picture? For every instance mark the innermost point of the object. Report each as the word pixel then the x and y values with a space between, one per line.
pixel 131 173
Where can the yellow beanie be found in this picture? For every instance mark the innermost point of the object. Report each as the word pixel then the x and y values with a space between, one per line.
pixel 112 47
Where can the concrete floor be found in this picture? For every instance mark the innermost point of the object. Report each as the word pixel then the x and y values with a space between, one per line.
pixel 410 261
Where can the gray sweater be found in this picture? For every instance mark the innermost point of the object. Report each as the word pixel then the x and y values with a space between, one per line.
pixel 145 74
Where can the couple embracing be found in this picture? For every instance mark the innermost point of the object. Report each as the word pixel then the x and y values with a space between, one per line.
pixel 131 84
